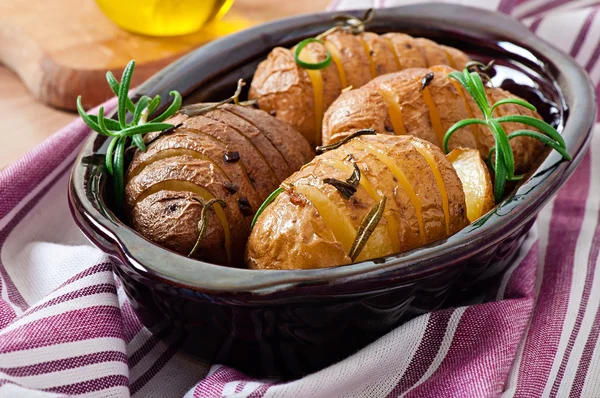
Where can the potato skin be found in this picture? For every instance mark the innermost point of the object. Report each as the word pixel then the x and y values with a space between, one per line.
pixel 292 234
pixel 189 163
pixel 285 90
pixel 302 239
pixel 167 217
pixel 366 108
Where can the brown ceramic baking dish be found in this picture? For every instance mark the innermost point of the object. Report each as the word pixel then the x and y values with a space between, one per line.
pixel 287 323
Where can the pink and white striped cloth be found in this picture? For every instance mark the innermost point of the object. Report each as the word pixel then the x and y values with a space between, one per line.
pixel 66 327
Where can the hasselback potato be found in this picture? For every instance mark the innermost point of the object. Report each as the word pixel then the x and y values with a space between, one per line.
pixel 235 154
pixel 316 220
pixel 300 96
pixel 426 103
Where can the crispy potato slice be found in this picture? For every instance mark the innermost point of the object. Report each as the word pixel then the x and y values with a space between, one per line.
pixel 475 179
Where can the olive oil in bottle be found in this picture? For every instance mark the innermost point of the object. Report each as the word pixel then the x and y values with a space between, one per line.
pixel 163 17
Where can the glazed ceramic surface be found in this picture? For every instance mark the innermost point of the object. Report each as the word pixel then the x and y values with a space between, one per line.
pixel 288 323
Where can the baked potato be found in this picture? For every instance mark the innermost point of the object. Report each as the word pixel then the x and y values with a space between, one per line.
pixel 300 96
pixel 227 162
pixel 406 194
pixel 426 103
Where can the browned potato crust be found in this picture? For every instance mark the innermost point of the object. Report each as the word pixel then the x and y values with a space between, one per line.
pixel 284 90
pixel 294 149
pixel 167 217
pixel 312 246
pixel 408 50
pixel 199 173
pixel 397 104
pixel 259 171
pixel 236 154
pixel 299 97
pixel 425 202
pixel 256 139
pixel 199 146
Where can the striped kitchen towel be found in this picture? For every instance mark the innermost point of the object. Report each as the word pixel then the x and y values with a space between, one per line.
pixel 66 327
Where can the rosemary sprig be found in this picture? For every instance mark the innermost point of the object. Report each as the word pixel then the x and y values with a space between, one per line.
pixel 345 22
pixel 358 133
pixel 367 226
pixel 503 164
pixel 266 203
pixel 121 130
pixel 201 109
pixel 203 223
pixel 346 188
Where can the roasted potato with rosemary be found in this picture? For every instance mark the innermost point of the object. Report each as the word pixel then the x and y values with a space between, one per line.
pixel 207 177
pixel 373 196
pixel 298 85
pixel 426 103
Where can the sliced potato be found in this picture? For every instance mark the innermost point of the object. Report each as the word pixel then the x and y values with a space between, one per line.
pixel 236 154
pixel 423 195
pixel 300 96
pixel 475 179
pixel 397 103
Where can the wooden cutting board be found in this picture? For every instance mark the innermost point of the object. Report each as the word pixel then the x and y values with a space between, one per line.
pixel 63 48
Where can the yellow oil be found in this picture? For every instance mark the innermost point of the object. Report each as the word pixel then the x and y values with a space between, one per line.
pixel 163 17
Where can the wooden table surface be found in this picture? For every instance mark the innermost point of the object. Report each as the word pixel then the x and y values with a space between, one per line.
pixel 26 122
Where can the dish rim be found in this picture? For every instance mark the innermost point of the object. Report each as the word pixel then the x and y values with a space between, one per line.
pixel 158 263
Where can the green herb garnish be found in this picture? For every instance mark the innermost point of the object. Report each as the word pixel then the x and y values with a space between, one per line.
pixel 121 131
pixel 367 226
pixel 358 133
pixel 345 22
pixel 346 188
pixel 309 65
pixel 503 164
pixel 264 205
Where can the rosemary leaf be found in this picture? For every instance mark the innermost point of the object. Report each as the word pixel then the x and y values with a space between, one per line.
pixel 144 128
pixel 354 179
pixel 367 227
pixel 110 154
pixel 457 126
pixel 114 86
pixel 264 205
pixel 110 124
pixel 142 104
pixel 201 109
pixel 154 104
pixel 123 95
pixel 325 148
pixel 344 188
pixel 102 124
pixel 119 171
pixel 515 101
pixel 171 110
